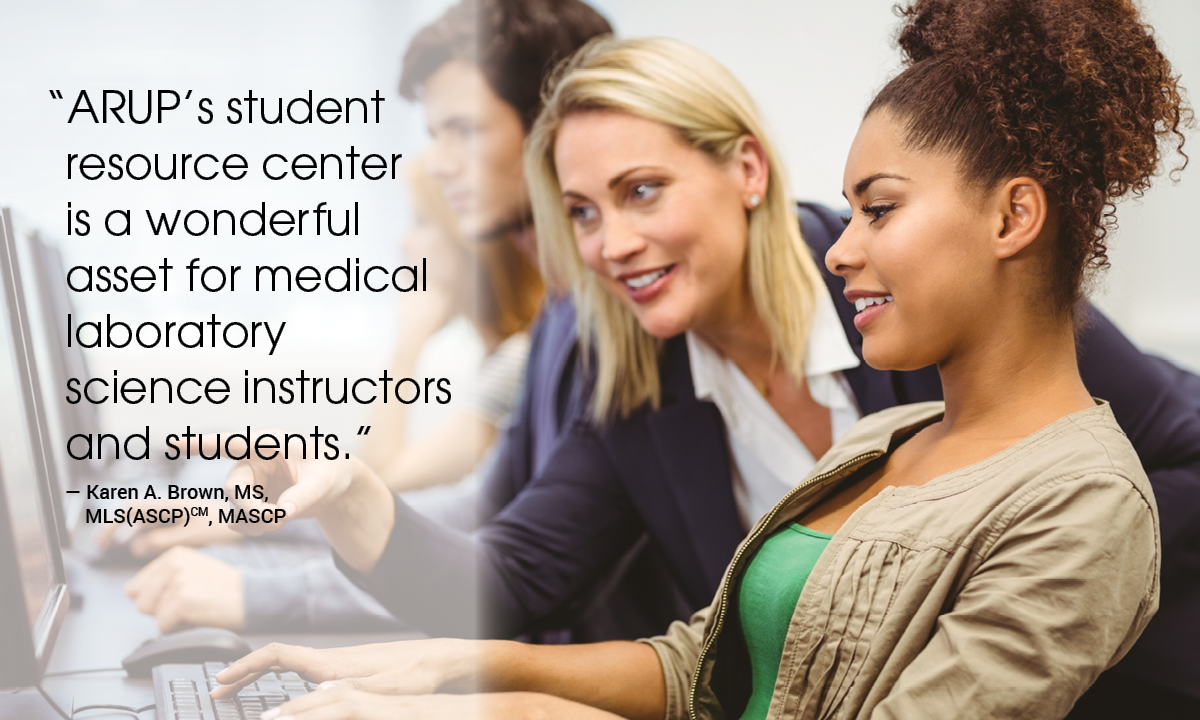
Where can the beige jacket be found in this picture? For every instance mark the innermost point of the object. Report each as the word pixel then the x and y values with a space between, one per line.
pixel 1000 590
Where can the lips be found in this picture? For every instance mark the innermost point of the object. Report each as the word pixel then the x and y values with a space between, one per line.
pixel 640 281
pixel 870 307
pixel 458 201
pixel 643 286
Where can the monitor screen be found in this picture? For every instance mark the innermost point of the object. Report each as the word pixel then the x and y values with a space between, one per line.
pixel 32 589
pixel 27 515
pixel 49 322
pixel 43 303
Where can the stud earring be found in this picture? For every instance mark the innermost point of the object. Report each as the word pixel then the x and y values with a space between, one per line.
pixel 755 200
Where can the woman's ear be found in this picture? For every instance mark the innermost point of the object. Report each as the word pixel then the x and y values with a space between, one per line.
pixel 750 161
pixel 1023 212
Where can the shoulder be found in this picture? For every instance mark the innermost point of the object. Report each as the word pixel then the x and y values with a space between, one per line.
pixel 1077 479
pixel 1089 449
pixel 512 351
pixel 1091 439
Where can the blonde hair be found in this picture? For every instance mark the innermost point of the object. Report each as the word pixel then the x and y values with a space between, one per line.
pixel 672 83
pixel 508 287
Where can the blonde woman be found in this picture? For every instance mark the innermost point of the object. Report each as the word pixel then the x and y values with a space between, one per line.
pixel 659 199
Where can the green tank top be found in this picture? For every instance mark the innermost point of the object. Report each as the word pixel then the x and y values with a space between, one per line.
pixel 767 596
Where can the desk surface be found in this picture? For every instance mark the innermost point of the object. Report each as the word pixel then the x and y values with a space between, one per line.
pixel 108 627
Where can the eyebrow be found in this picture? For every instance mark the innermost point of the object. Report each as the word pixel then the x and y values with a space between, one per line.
pixel 616 180
pixel 861 186
pixel 450 121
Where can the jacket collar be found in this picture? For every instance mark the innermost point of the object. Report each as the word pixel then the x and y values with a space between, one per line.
pixel 870 439
pixel 689 440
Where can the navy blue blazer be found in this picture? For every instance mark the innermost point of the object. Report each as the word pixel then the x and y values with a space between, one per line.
pixel 665 475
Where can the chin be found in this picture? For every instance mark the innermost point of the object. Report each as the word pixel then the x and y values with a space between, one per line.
pixel 470 225
pixel 885 356
pixel 659 326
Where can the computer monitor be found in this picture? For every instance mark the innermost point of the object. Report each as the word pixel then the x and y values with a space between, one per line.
pixel 62 360
pixel 42 303
pixel 19 283
pixel 33 592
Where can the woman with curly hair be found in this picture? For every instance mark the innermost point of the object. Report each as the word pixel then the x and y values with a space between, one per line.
pixel 986 556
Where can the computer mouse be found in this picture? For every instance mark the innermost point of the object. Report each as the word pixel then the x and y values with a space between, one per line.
pixel 105 549
pixel 190 646
pixel 116 555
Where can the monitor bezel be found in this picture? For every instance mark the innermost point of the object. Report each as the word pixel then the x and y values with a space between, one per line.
pixel 28 651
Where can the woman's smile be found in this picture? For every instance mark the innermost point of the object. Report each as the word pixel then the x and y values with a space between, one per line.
pixel 645 285
pixel 868 306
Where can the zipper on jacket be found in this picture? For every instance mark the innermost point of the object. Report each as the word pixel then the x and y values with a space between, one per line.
pixel 733 565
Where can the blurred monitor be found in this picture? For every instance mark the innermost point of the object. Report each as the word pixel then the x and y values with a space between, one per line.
pixel 28 320
pixel 33 594
pixel 41 260
pixel 41 277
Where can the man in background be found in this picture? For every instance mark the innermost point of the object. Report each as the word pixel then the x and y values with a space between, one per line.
pixel 478 70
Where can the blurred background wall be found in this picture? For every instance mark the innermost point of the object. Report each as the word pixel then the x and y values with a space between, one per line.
pixel 812 66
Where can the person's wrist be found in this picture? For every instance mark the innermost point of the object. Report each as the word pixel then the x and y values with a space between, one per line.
pixel 359 522
pixel 355 489
pixel 368 490
pixel 539 706
pixel 459 663
pixel 499 666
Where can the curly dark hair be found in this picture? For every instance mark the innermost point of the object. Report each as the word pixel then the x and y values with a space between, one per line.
pixel 1073 93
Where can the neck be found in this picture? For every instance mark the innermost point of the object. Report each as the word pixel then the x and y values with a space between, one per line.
pixel 741 335
pixel 1019 379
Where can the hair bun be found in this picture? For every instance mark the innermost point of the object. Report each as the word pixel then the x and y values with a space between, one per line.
pixel 1053 70
pixel 1074 93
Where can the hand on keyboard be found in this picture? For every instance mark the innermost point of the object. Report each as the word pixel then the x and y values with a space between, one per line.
pixel 185 588
pixel 410 667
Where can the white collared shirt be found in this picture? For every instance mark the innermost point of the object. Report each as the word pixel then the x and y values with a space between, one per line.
pixel 768 458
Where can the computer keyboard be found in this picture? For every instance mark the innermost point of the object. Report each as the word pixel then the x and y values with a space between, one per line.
pixel 181 693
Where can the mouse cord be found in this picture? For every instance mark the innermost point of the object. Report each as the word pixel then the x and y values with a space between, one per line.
pixel 61 713
pixel 64 673
pixel 136 712
pixel 122 708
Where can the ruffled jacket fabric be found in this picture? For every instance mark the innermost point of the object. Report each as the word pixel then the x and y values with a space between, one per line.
pixel 1001 590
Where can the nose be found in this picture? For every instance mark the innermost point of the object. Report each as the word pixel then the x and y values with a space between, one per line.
pixel 441 160
pixel 845 257
pixel 621 242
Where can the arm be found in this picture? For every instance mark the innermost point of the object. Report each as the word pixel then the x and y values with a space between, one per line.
pixel 623 678
pixel 571 681
pixel 358 705
pixel 1061 595
pixel 561 532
